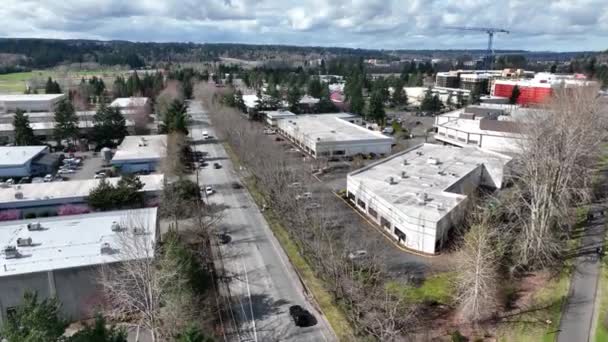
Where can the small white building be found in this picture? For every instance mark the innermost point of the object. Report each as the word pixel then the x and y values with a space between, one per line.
pixel 489 126
pixel 272 117
pixel 130 102
pixel 45 197
pixel 419 194
pixel 140 153
pixel 333 135
pixel 29 102
pixel 22 161
pixel 61 256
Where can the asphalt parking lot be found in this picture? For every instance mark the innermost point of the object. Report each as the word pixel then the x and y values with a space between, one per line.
pixel 356 232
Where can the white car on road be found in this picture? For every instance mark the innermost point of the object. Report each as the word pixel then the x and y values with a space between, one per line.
pixel 209 191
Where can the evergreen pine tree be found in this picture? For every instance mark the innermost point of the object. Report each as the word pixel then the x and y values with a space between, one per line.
pixel 24 134
pixel 66 121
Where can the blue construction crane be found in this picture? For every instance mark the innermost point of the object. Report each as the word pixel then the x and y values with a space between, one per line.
pixel 490 31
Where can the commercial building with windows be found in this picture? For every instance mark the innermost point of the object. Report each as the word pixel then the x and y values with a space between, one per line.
pixel 22 161
pixel 29 102
pixel 61 256
pixel 417 195
pixel 140 153
pixel 490 126
pixel 333 135
pixel 48 197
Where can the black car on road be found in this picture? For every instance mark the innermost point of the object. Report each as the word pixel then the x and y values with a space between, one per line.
pixel 302 317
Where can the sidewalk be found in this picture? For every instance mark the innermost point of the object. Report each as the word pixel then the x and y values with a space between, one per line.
pixel 578 316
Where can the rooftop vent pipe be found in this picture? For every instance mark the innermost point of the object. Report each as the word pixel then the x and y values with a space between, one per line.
pixel 34 226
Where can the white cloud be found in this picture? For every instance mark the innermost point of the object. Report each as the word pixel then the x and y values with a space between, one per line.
pixel 538 24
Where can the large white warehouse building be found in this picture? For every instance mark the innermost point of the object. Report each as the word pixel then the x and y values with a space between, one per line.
pixel 419 194
pixel 22 161
pixel 61 256
pixel 29 102
pixel 333 135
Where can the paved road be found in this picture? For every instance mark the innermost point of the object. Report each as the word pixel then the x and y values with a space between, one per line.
pixel 263 284
pixel 578 316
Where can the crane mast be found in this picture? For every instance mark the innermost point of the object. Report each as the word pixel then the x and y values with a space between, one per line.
pixel 489 60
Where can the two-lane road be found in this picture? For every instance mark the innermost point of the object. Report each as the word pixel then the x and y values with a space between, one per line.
pixel 263 283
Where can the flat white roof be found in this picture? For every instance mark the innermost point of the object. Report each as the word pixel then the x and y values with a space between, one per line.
pixel 250 100
pixel 276 114
pixel 329 127
pixel 124 102
pixel 30 97
pixel 38 193
pixel 48 125
pixel 18 155
pixel 75 241
pixel 426 179
pixel 136 148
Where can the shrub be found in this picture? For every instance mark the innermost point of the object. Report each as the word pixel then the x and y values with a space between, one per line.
pixel 458 337
pixel 9 215
pixel 71 209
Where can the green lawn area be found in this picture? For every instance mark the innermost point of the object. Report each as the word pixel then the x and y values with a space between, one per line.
pixel 330 309
pixel 437 288
pixel 15 82
pixel 601 332
pixel 532 326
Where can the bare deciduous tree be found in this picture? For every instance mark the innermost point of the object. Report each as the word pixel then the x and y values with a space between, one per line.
pixel 134 285
pixel 553 171
pixel 478 262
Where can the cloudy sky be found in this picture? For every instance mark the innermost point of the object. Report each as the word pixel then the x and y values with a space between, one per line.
pixel 560 25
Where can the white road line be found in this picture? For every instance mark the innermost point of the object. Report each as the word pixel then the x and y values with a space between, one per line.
pixel 255 334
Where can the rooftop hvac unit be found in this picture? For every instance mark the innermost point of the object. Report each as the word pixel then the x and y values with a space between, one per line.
pixel 116 226
pixel 24 242
pixel 139 231
pixel 19 195
pixel 391 180
pixel 34 226
pixel 432 161
pixel 419 153
pixel 405 162
pixel 106 248
pixel 404 175
pixel 421 197
pixel 10 252
pixel 440 207
pixel 441 173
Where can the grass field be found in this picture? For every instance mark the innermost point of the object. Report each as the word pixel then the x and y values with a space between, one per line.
pixel 15 82
pixel 437 288
pixel 541 324
pixel 601 331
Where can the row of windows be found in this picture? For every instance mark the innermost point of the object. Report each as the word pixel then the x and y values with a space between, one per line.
pixel 383 221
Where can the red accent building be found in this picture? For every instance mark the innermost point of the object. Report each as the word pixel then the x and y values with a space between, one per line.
pixel 529 93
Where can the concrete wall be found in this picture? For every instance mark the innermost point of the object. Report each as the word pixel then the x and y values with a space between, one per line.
pixel 79 291
pixel 76 288
pixel 19 171
pixel 354 147
pixel 12 289
pixel 136 167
